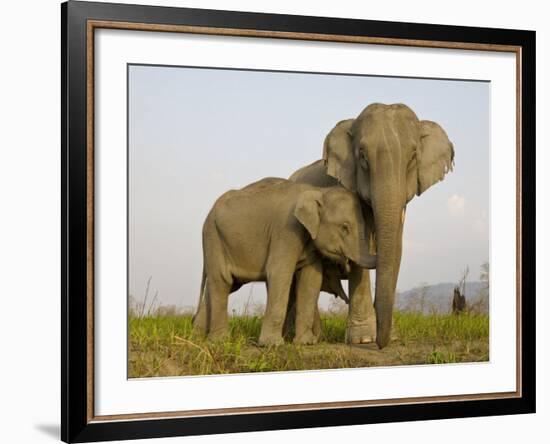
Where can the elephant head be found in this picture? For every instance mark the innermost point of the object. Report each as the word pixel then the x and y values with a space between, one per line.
pixel 387 156
pixel 334 220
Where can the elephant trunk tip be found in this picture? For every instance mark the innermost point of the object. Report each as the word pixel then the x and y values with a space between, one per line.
pixel 382 340
pixel 383 334
pixel 344 297
pixel 367 261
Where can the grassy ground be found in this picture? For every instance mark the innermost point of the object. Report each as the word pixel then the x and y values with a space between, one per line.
pixel 167 346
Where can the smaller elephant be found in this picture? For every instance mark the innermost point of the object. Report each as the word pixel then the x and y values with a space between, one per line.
pixel 277 231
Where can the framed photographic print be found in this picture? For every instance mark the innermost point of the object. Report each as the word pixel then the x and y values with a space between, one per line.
pixel 275 221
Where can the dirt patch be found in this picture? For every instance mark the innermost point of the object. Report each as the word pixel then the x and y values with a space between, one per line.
pixel 289 357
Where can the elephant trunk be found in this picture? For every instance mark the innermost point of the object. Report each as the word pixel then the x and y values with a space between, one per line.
pixel 362 256
pixel 341 293
pixel 389 238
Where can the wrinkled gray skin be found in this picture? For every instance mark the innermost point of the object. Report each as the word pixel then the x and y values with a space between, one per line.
pixel 275 230
pixel 387 156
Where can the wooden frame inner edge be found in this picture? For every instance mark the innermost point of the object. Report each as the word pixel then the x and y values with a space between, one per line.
pixel 90 28
pixel 90 222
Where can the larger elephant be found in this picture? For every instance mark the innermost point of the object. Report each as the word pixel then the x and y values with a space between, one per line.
pixel 387 156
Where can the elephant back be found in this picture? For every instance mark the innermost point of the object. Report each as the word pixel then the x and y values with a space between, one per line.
pixel 314 174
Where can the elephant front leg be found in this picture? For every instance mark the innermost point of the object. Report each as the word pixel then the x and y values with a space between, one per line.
pixel 308 286
pixel 277 301
pixel 290 319
pixel 317 322
pixel 361 324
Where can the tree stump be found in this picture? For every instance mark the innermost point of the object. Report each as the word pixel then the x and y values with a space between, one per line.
pixel 459 302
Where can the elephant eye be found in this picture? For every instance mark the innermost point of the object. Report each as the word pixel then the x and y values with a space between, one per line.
pixel 363 161
pixel 345 229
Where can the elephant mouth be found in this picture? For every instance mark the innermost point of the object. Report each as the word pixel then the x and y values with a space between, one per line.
pixel 338 257
pixel 346 264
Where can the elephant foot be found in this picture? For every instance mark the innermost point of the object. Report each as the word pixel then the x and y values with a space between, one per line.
pixel 199 328
pixel 218 335
pixel 199 331
pixel 199 325
pixel 270 340
pixel 308 338
pixel 360 334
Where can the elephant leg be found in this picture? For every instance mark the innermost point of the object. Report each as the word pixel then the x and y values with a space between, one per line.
pixel 317 323
pixel 308 286
pixel 200 320
pixel 361 324
pixel 290 319
pixel 217 294
pixel 278 289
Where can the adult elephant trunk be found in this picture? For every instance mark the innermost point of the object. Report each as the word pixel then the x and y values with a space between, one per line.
pixel 389 235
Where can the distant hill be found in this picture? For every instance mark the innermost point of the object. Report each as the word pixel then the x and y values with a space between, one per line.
pixel 435 298
pixel 438 298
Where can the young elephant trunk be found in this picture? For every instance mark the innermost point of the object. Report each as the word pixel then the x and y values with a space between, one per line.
pixel 363 258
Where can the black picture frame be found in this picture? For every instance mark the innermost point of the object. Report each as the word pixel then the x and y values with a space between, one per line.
pixel 76 423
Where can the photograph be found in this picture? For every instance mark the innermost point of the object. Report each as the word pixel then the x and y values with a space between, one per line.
pixel 234 221
pixel 281 221
pixel 276 221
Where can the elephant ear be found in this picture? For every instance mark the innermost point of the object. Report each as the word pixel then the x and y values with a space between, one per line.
pixel 434 157
pixel 338 155
pixel 308 211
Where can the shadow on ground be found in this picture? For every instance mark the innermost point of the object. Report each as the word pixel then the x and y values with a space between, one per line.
pixel 51 430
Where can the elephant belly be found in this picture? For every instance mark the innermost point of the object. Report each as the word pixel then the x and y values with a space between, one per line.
pixel 246 263
pixel 243 275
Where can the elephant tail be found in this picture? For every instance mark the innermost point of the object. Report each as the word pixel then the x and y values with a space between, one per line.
pixel 203 286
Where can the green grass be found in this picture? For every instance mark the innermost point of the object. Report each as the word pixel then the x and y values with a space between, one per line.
pixel 416 327
pixel 167 345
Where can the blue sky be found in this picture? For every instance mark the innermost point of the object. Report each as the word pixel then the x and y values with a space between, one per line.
pixel 195 133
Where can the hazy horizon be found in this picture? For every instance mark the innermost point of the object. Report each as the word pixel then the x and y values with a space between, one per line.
pixel 195 133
